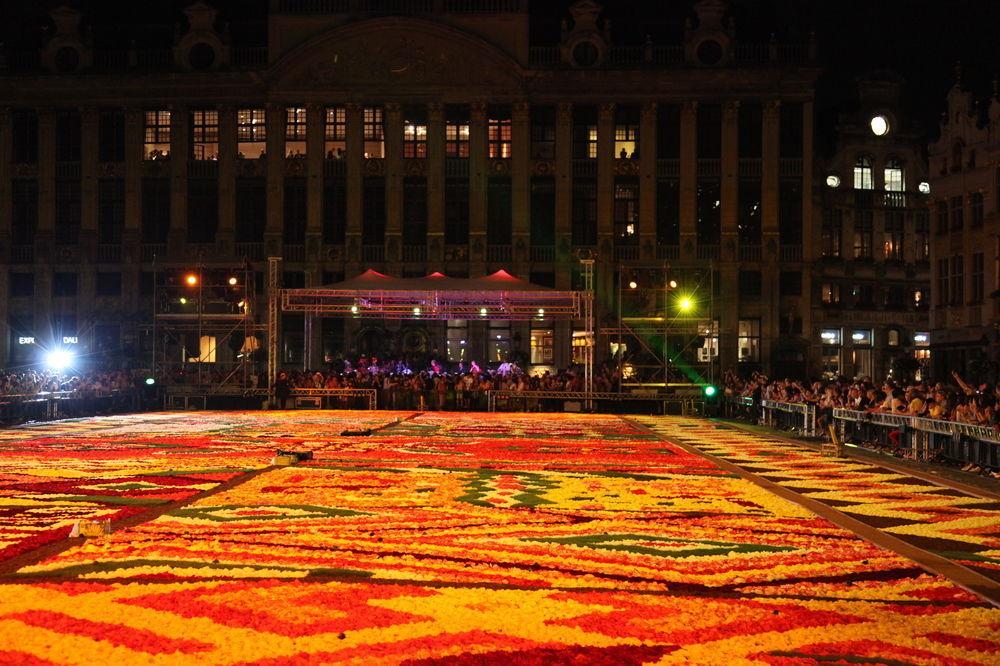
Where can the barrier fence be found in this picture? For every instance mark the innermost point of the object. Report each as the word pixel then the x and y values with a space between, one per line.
pixel 911 436
pixel 66 404
pixel 501 400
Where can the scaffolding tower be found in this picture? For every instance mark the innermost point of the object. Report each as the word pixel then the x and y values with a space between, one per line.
pixel 205 332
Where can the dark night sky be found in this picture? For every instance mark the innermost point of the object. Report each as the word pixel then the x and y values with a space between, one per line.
pixel 920 39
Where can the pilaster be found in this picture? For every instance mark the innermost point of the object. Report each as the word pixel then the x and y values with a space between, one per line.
pixel 520 184
pixel 315 157
pixel 730 179
pixel 647 180
pixel 355 164
pixel 274 228
pixel 477 186
pixel 393 181
pixel 89 186
pixel 605 174
pixel 435 182
pixel 179 151
pixel 226 235
pixel 689 177
pixel 564 188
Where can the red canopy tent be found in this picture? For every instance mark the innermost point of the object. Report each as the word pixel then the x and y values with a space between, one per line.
pixel 374 295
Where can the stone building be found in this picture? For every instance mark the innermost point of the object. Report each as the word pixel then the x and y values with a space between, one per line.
pixel 870 257
pixel 965 253
pixel 407 136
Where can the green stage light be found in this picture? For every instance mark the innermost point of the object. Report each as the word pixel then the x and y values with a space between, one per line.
pixel 709 391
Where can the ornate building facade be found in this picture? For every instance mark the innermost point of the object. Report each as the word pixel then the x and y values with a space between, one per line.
pixel 409 136
pixel 965 187
pixel 870 260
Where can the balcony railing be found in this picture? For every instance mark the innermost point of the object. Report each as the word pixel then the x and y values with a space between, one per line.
pixel 709 167
pixel 790 167
pixel 456 167
pixel 708 252
pixel 626 253
pixel 153 251
pixel 668 252
pixel 585 168
pixel 544 55
pixel 417 253
pixel 750 252
pixel 894 200
pixel 791 253
pixel 543 254
pixel 249 56
pixel 668 168
pixel 250 251
pixel 22 254
pixel 109 253
pixel 295 252
pixel 373 252
pixel 498 252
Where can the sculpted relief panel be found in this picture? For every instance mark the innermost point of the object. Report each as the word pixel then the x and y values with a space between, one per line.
pixel 395 57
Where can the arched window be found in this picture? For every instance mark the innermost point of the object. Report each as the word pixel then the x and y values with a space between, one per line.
pixel 894 181
pixel 956 156
pixel 863 173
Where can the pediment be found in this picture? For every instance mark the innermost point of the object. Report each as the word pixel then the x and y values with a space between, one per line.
pixel 397 54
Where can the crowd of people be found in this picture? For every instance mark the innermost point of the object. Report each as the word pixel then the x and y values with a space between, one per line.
pixel 30 383
pixel 956 400
pixel 455 386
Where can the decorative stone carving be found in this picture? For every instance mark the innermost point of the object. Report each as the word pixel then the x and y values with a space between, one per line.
pixel 406 54
pixel 250 168
pixel 67 51
pixel 415 167
pixel 201 47
pixel 626 167
pixel 374 166
pixel 500 167
pixel 543 167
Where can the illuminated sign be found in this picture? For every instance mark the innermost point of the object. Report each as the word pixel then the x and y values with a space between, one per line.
pixel 70 339
pixel 26 340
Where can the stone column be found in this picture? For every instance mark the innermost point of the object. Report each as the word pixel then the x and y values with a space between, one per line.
pixel 355 166
pixel 46 219
pixel 769 222
pixel 275 226
pixel 605 177
pixel 315 159
pixel 520 176
pixel 564 193
pixel 727 309
pixel 226 235
pixel 435 183
pixel 689 178
pixel 647 181
pixel 179 152
pixel 808 237
pixel 393 182
pixel 478 169
pixel 132 236
pixel 89 184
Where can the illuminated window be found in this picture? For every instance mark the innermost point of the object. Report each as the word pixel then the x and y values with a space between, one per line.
pixel 499 137
pixel 626 212
pixel 830 293
pixel 893 240
pixel 498 342
pixel 748 341
pixel 584 133
pixel 251 133
pixel 205 135
pixel 415 133
pixel 456 132
pixel 830 336
pixel 921 339
pixel 295 131
pixel 892 337
pixel 374 132
pixel 861 337
pixel 541 346
pixel 626 132
pixel 709 349
pixel 863 173
pixel 580 344
pixel 894 181
pixel 156 141
pixel 335 132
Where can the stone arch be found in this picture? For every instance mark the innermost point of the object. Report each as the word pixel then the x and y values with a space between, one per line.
pixel 401 54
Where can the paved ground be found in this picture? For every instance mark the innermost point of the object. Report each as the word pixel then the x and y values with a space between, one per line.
pixel 478 538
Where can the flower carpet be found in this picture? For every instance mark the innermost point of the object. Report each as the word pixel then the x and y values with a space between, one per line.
pixel 945 521
pixel 447 539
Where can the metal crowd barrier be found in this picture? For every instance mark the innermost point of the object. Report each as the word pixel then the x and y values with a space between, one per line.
pixel 65 404
pixel 536 400
pixel 323 398
pixel 800 416
pixel 921 438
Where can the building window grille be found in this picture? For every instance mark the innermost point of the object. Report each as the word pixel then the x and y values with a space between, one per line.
pixel 893 241
pixel 863 173
pixel 499 137
pixel 415 134
pixel 748 340
pixel 626 212
pixel 543 133
pixel 832 232
pixel 456 132
pixel 251 133
pixel 626 132
pixel 296 118
pixel 156 141
pixel 374 132
pixel 335 132
pixel 205 135
pixel 863 228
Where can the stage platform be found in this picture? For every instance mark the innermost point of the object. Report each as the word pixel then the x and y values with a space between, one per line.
pixel 447 537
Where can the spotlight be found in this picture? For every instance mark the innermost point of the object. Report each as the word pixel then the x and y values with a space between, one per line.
pixel 241 304
pixel 150 381
pixel 541 312
pixel 58 359
pixel 416 312
pixel 191 279
pixel 232 281
pixel 482 312
pixel 633 284
pixel 183 301
pixel 685 304
pixel 672 284
pixel 709 391
pixel 354 309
